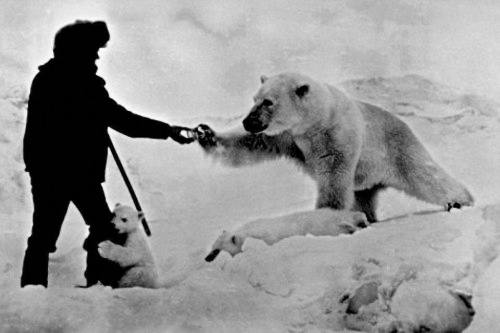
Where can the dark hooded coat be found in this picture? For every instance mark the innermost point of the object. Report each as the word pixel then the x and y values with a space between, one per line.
pixel 69 113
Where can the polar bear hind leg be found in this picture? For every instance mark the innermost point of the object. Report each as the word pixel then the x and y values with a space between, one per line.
pixel 366 201
pixel 417 174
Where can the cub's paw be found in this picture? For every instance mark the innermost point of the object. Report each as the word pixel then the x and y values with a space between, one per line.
pixel 359 220
pixel 347 228
pixel 206 136
pixel 105 249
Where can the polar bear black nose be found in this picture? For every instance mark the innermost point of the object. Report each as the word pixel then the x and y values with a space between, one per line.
pixel 253 124
pixel 212 255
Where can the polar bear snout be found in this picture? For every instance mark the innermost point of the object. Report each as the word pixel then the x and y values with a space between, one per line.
pixel 212 255
pixel 120 229
pixel 254 123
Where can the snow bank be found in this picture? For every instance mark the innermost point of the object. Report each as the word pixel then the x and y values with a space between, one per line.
pixel 297 284
pixel 12 178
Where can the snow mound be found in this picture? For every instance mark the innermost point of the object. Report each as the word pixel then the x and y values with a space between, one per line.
pixel 13 189
pixel 416 95
pixel 386 276
pixel 423 276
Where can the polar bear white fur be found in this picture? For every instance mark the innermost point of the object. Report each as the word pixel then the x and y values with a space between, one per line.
pixel 417 305
pixel 135 257
pixel 320 222
pixel 350 148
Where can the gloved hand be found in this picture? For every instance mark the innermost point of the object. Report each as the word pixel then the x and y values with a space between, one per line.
pixel 181 134
pixel 205 136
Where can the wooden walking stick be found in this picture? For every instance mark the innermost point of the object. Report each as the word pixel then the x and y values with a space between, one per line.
pixel 129 185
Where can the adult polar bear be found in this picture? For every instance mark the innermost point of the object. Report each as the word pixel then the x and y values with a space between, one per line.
pixel 350 148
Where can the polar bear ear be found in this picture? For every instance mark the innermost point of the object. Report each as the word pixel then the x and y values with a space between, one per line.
pixel 237 240
pixel 302 90
pixel 263 79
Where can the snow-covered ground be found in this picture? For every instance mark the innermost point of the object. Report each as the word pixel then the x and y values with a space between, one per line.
pixel 432 63
pixel 298 284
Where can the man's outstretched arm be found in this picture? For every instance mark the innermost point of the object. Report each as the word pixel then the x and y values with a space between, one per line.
pixel 136 126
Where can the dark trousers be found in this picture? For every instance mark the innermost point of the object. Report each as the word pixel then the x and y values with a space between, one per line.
pixel 51 201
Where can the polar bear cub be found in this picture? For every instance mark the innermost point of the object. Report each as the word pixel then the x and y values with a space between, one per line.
pixel 319 222
pixel 135 257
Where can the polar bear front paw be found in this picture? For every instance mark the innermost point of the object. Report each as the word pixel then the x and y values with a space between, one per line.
pixel 105 249
pixel 206 136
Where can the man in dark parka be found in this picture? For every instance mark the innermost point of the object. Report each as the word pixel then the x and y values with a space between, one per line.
pixel 65 149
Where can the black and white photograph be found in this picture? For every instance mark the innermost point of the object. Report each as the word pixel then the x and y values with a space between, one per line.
pixel 249 166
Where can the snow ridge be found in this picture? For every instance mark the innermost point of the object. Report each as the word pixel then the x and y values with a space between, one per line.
pixel 373 279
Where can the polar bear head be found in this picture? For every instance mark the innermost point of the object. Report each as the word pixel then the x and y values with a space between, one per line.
pixel 229 242
pixel 126 219
pixel 285 102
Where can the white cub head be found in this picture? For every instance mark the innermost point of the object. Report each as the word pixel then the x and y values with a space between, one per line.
pixel 229 242
pixel 285 102
pixel 126 219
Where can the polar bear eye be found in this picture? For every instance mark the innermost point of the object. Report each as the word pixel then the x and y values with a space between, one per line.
pixel 124 219
pixel 267 102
